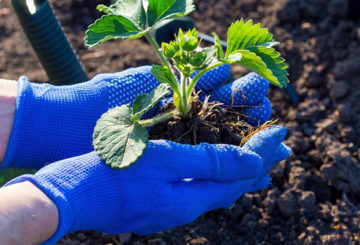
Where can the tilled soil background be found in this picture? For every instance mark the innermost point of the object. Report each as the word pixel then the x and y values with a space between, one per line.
pixel 315 194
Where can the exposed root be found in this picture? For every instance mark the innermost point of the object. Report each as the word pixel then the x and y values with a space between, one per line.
pixel 265 125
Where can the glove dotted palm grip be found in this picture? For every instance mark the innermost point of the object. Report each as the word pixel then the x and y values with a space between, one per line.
pixel 124 87
pixel 247 93
pixel 56 122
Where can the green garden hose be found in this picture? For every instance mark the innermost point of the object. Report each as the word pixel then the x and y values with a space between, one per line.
pixel 49 41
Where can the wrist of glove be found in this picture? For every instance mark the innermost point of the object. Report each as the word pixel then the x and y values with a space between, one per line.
pixel 156 193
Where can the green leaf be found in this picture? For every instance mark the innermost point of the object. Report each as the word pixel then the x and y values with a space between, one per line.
pixel 132 9
pixel 236 57
pixel 159 10
pixel 165 75
pixel 253 62
pixel 111 27
pixel 209 52
pixel 117 139
pixel 244 37
pixel 219 50
pixel 145 102
pixel 274 62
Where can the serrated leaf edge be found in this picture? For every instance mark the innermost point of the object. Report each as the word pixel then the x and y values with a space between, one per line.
pixel 141 30
pixel 102 155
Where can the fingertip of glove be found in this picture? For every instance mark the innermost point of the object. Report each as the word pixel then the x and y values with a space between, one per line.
pixel 247 90
pixel 273 134
pixel 254 87
pixel 283 151
pixel 227 206
pixel 213 78
pixel 254 80
pixel 263 183
pixel 266 141
pixel 260 113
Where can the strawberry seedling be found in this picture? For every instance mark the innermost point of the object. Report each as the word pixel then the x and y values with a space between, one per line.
pixel 120 135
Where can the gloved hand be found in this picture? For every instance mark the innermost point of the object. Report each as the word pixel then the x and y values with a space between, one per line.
pixel 247 92
pixel 152 195
pixel 54 123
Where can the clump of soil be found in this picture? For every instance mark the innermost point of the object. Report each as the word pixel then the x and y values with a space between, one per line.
pixel 207 122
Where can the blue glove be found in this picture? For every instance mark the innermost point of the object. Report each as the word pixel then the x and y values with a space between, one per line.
pixel 54 123
pixel 267 144
pixel 153 195
pixel 247 92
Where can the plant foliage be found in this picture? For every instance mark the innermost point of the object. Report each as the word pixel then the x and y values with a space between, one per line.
pixel 129 18
pixel 118 139
pixel 255 44
pixel 120 136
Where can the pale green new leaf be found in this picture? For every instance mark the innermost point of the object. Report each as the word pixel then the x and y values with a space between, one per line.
pixel 159 10
pixel 144 102
pixel 111 27
pixel 105 9
pixel 253 62
pixel 165 75
pixel 219 50
pixel 132 9
pixel 242 35
pixel 117 139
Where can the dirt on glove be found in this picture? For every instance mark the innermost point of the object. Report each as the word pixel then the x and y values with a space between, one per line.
pixel 314 197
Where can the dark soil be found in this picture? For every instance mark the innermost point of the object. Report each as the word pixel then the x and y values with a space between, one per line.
pixel 315 194
pixel 207 122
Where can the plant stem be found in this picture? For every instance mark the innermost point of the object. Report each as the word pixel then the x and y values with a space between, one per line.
pixel 157 119
pixel 197 77
pixel 184 107
pixel 157 49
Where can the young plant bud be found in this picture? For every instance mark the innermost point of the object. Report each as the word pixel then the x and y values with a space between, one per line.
pixel 180 38
pixel 191 40
pixel 181 58
pixel 188 41
pixel 186 70
pixel 175 45
pixel 197 59
pixel 180 67
pixel 169 50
